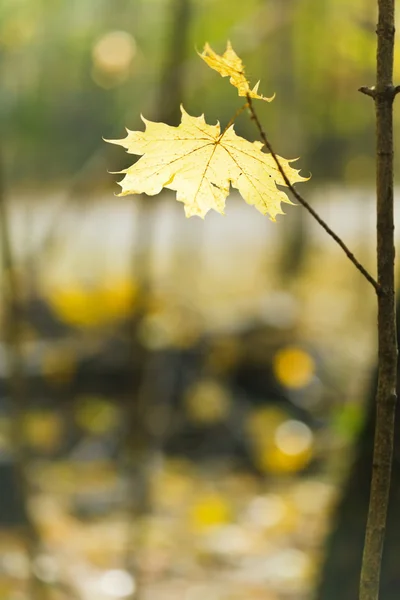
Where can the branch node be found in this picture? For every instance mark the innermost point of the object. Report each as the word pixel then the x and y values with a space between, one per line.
pixel 368 91
pixel 388 92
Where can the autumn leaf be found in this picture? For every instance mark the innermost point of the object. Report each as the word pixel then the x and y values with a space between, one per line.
pixel 200 163
pixel 230 65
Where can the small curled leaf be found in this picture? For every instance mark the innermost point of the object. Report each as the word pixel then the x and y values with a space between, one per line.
pixel 230 65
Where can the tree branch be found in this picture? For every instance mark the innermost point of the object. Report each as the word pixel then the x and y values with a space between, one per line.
pixel 306 205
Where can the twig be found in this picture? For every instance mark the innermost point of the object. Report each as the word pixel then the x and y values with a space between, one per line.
pixel 233 119
pixel 306 205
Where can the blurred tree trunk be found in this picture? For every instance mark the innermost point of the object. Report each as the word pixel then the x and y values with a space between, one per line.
pixel 144 439
pixel 173 77
pixel 286 83
pixel 345 544
pixel 14 485
pixel 170 97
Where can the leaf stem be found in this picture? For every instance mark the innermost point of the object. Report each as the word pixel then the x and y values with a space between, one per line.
pixel 235 116
pixel 306 205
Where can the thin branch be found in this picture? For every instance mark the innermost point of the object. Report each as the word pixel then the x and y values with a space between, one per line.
pixel 235 116
pixel 368 91
pixel 389 91
pixel 306 205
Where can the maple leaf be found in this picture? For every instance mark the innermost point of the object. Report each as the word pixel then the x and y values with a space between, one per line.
pixel 200 163
pixel 230 65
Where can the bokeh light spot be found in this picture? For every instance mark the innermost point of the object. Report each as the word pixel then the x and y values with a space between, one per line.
pixel 114 51
pixel 293 367
pixel 293 437
pixel 117 583
pixel 210 510
pixel 96 414
pixel 207 402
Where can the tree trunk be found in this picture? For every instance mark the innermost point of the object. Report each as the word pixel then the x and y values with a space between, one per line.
pixel 383 94
pixel 381 424
pixel 340 573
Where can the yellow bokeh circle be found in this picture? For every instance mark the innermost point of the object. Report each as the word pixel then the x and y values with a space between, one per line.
pixel 293 367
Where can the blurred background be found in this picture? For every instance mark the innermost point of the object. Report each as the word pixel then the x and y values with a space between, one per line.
pixel 180 400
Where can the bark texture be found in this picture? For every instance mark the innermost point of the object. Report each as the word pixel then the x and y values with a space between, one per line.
pixel 383 95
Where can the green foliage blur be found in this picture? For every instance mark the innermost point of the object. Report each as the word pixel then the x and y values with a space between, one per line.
pixel 73 71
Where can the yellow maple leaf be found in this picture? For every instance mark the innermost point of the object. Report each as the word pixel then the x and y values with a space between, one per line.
pixel 200 163
pixel 230 65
